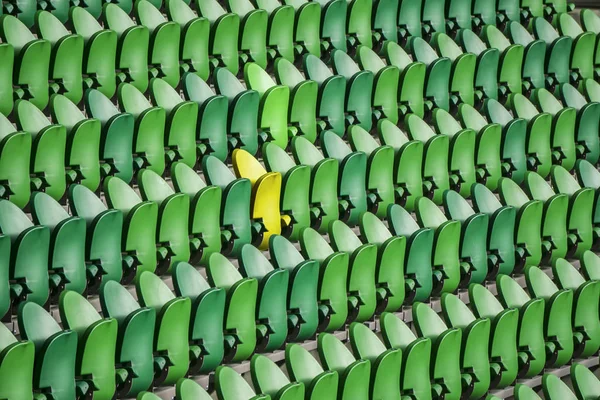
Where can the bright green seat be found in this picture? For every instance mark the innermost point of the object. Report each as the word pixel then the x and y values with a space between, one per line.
pixel 333 299
pixel 355 375
pixel 307 27
pixel 408 163
pixel 232 386
pixel 533 9
pixel 585 383
pixel 67 250
pixel 531 343
pixel 555 389
pixel 419 254
pixel 386 365
pixel 584 47
pixel 433 17
pixel 55 352
pixel 97 339
pixel 269 379
pixel 295 191
pixel 439 70
pixel 243 110
pixel 16 366
pixel 6 78
pixel 302 367
pixel 534 62
pixel 47 163
pixel 474 359
pixel 416 356
pixel 409 19
pixel 488 61
pixel 149 135
pixel 29 255
pixel 82 153
pixel 31 61
pixel 181 121
pixel 172 229
pixel 15 151
pixel 390 283
pixel 358 24
pixel 503 358
pixel 139 244
pixel 587 141
pixel 253 36
pixel 206 322
pixel 194 42
pixel 352 180
pixel 171 348
pixel 133 45
pixel 280 31
pixel 511 60
pixel 116 138
pixel 303 316
pixel 557 47
pixel 524 392
pixel 67 56
pixel 100 52
pixel 385 22
pixel 586 296
pixel 333 25
pixel 590 265
pixel 187 389
pixel 240 310
pixel 445 369
pixel 589 177
pixel 271 310
pixel 147 396
pixel 134 361
pixel 590 22
pixel 5 276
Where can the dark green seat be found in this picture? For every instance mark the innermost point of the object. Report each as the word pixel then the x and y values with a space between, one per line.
pixel 253 32
pixel 536 73
pixel 587 141
pixel 484 13
pixel 557 47
pixel 590 22
pixel 385 22
pixel 15 151
pixel 303 367
pixel 280 31
pixel 585 383
pixel 589 177
pixel 16 366
pixel 409 19
pixel 584 47
pixel 439 69
pixel 232 386
pixel 511 59
pixel 358 24
pixel 269 379
pixel 433 17
pixel 333 25
pixel 459 15
pixel 488 62
pixel 508 10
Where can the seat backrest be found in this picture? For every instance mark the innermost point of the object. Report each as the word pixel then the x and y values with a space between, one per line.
pixel 334 146
pixel 544 30
pixel 216 172
pixel 569 26
pixel 84 203
pixel 563 180
pixel 428 213
pixel 153 187
pixel 76 312
pixel 519 34
pixel 512 293
pixel 524 392
pixel 30 118
pixel 100 106
pixel 365 342
pixel 13 220
pixel 305 152
pixel 470 117
pixel 456 206
pixel 6 337
pixel 373 229
pixel 246 166
pixel 524 107
pixel 257 78
pixel 456 313
pixel 148 15
pixel 333 353
pixel 301 365
pixel 152 291
pixel 15 32
pixel 316 69
pixel 587 174
pixel 395 331
pixel 50 27
pixel 361 140
pixel 343 64
pixel 496 38
pixel 65 112
pixel 447 47
pixel 47 211
pixel 120 195
pixel 287 73
pixel 511 193
pixel 240 7
pixel 253 263
pixel 390 134
pixel 396 55
pixel 267 376
pixel 418 129
pixel 87 25
pixel 572 97
pixel 314 246
pixel 221 272
pixel 537 187
pixel 6 127
pixel 547 102
pixel 485 200
pixel 422 51
pixel 227 84
pixel 230 385
pixel 164 95
pixel 188 281
pixel 590 20
pixel 283 253
pixel 369 60
pixel 210 9
pixel 185 179
pixel 277 159
pixel 539 283
pixel 585 383
pixel 187 389
pixel 427 321
pixel 401 221
pixel 484 302
pixel 180 12
pixel 445 122
pixel 471 42
pixel 555 389
pixel 591 265
pixel 343 237
pixel 497 113
pixel 567 275
pixel 36 324
pixel 132 100
pixel 116 301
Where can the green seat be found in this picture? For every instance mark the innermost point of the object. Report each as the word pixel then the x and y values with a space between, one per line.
pixel 524 392
pixel 555 389
pixel 333 299
pixel 590 265
pixel 134 361
pixel 590 22
pixel 503 358
pixel 557 46
pixel 240 310
pixel 147 396
pixel 100 52
pixel 474 358
pixel 181 123
pixel 194 43
pixel 459 15
pixel 511 59
pixel 253 36
pixel 82 153
pixel 530 335
pixel 97 339
pixel 31 61
pixel 232 386
pixel 358 24
pixel 508 10
pixel 488 61
pixel 385 22
pixel 439 70
pixel 139 240
pixel 271 302
pixel 302 316
pixel 171 350
pixel 433 17
pixel 436 178
pixel 416 356
pixel 307 27
pixel 204 213
pixel 445 369
pixel 67 250
pixel 355 375
pixel 16 366
pixel 133 44
pixel 418 255
pixel 187 389
pixel 333 25
pixel 280 31
pixel 534 62
pixel 172 228
pixel 587 125
pixel 585 383
pixel 242 125
pixel 67 56
pixel 116 137
pixel 55 351
pixel 6 78
pixel 15 151
pixel 586 296
pixel 47 162
pixel 5 278
pixel 409 19
pixel 584 47
pixel 206 322
pixel 269 379
pixel 302 367
pixel 408 163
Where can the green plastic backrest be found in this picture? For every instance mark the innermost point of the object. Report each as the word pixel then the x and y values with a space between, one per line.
pixel 537 186
pixel 13 220
pixel 186 180
pixel 240 7
pixel 132 99
pixel 36 324
pixel 87 25
pixel 277 159
pixel 180 12
pixel 344 65
pixel 585 383
pixel 547 101
pixel 231 385
pixel 153 187
pixel 227 83
pixel 334 353
pixel 471 118
pixel 287 73
pixel 429 214
pixel 222 272
pixel 391 134
pixel 373 228
pixel 496 38
pixel 267 376
pixel 512 194
pixel 85 202
pixel 587 174
pixel 187 389
pixel 316 69
pixel 50 27
pixel 445 122
pixel 253 262
pixel 120 195
pixel 365 342
pixel 334 145
pixel 306 152
pixel 116 301
pixel 572 97
pixel 164 95
pixel 283 253
pixel 497 112
pixel 590 20
pixel 301 364
pixel 65 112
pixel 423 51
pixel 315 245
pixel 428 322
pixel 448 47
pixel 210 9
pixel 77 312
pixel 555 389
pixel 217 172
pixel 344 237
pixel 395 331
pixel 485 200
pixel 147 396
pixel 188 281
pixel 520 35
pixel 6 337
pixel 567 275
pixel 544 30
pixel 361 140
pixel 486 304
pixel 456 313
pixel 523 392
pixel 457 207
pixel 154 292
pixel 257 78
pixel 418 128
pixel 564 181
pixel 47 211
pixel 30 118
pixel 100 105
pixel 396 55
pixel 6 127
pixel 148 15
pixel 591 265
pixel 369 60
pixel 512 293
pixel 471 42
pixel 15 32
pixel 525 108
pixel 401 221
pixel 568 25
pixel 540 284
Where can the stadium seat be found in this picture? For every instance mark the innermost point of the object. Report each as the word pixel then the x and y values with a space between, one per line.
pixel 488 62
pixel 253 32
pixel 307 27
pixel 555 389
pixel 303 367
pixel 280 31
pixel 232 386
pixel 16 365
pixel 269 379
pixel 15 151
pixel 587 144
pixel 439 70
pixel 484 13
pixel 588 176
pixel 433 18
pixel 187 389
pixel 557 47
pixel 511 58
pixel 6 78
pixel 584 47
pixel 534 63
pixel 585 383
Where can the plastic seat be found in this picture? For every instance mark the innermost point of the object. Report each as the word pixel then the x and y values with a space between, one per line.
pixel 134 361
pixel 524 392
pixel 55 351
pixel 181 123
pixel 100 52
pixel 253 36
pixel 242 125
pixel 586 296
pixel 409 19
pixel 187 389
pixel 302 367
pixel 408 163
pixel 557 47
pixel 590 266
pixel 16 366
pixel 333 25
pixel 139 242
pixel 585 383
pixel 270 380
pixel 67 56
pixel 511 59
pixel 534 62
pixel 531 344
pixel 116 137
pixel 5 282
pixel 6 78
pixel 15 151
pixel 484 13
pixel 588 176
pixel 587 143
pixel 385 22
pixel 584 47
pixel 31 61
pixel 433 18
pixel 488 61
pixel 439 69
pixel 508 10
pixel 503 358
pixel 97 339
pixel 29 256
pixel 47 163
pixel 590 22
pixel 459 15
pixel 171 350
pixel 334 302
pixel 280 32
pixel 232 386
pixel 419 253
pixel 555 389
pixel 240 310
